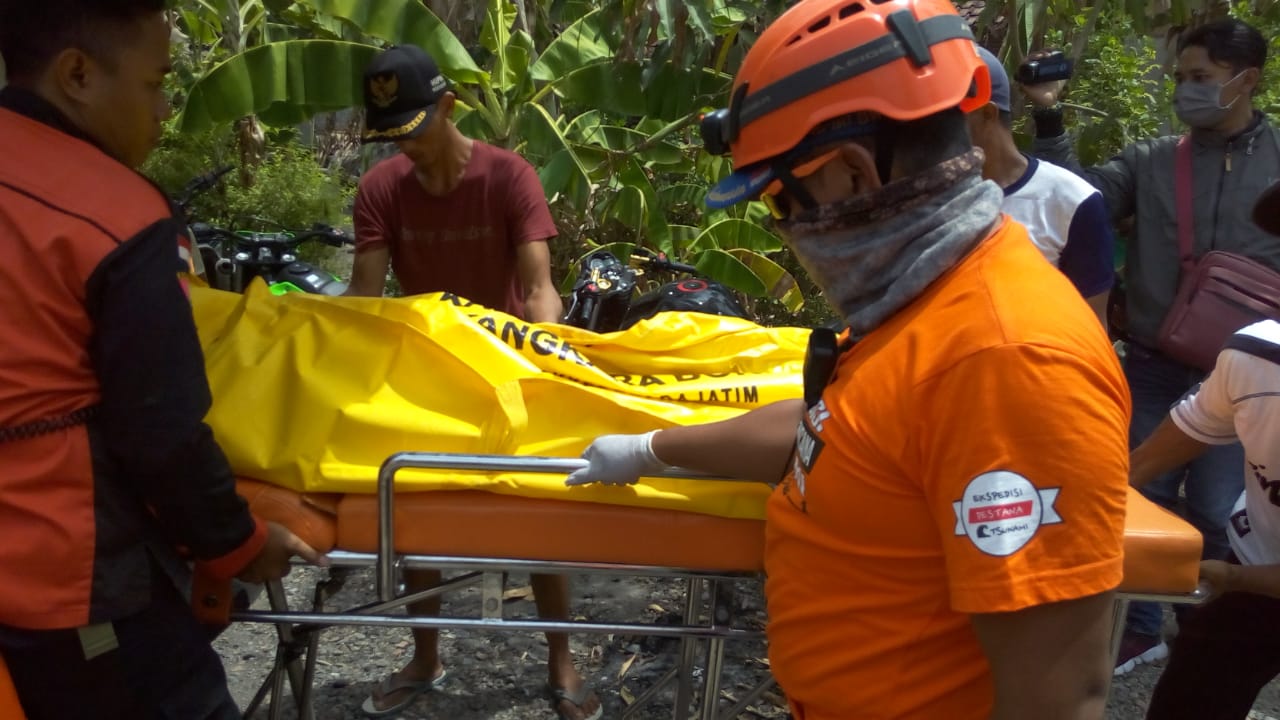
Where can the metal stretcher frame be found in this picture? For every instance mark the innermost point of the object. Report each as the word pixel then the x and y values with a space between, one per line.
pixel 299 631
pixel 708 598
pixel 1121 613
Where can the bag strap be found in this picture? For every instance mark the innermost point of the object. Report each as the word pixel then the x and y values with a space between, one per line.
pixel 1183 198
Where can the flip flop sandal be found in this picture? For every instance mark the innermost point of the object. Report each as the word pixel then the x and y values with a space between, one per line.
pixel 557 695
pixel 392 684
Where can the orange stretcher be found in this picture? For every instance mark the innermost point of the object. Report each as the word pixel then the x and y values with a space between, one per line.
pixel 486 533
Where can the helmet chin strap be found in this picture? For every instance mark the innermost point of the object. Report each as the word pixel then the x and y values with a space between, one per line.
pixel 884 154
pixel 885 142
pixel 793 186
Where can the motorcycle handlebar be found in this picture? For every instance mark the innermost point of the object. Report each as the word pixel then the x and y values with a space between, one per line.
pixel 208 180
pixel 661 263
pixel 328 235
pixel 216 175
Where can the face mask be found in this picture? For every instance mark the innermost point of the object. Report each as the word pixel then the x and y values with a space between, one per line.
pixel 1197 103
pixel 874 253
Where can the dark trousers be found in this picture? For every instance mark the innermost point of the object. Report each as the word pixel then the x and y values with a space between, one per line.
pixel 1225 653
pixel 163 669
pixel 1213 481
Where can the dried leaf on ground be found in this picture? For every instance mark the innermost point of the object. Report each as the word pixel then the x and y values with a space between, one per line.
pixel 519 593
pixel 626 665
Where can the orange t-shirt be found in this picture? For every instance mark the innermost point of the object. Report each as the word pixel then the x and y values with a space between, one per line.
pixel 969 456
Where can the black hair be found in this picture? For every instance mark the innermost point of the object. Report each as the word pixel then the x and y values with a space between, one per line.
pixel 33 32
pixel 1230 42
pixel 1006 118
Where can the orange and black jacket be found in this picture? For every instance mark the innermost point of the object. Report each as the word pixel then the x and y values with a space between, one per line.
pixel 106 464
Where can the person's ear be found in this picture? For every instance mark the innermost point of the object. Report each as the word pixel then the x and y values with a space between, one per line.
pixel 1250 80
pixel 75 74
pixel 859 164
pixel 445 104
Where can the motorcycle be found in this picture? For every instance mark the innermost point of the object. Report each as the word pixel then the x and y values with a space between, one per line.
pixel 231 259
pixel 603 295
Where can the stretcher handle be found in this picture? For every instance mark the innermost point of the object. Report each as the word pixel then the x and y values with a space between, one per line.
pixel 461 461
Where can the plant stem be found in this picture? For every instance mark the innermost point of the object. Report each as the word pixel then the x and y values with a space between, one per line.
pixel 473 100
pixel 662 134
pixel 726 44
pixel 1086 110
pixel 1081 39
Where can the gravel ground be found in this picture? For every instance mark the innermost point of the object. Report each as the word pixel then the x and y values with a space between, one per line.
pixel 500 676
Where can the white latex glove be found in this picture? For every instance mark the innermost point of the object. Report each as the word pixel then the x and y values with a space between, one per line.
pixel 618 460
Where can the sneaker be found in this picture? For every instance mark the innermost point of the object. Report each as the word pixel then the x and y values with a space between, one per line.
pixel 1138 648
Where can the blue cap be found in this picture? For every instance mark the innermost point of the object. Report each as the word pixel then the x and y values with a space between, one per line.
pixel 1000 92
pixel 745 184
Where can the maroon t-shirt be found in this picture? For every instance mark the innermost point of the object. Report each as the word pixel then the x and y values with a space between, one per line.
pixel 464 242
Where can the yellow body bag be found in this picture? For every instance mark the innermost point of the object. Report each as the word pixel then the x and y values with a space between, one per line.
pixel 313 393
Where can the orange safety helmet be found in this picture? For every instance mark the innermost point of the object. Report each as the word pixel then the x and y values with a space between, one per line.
pixel 826 59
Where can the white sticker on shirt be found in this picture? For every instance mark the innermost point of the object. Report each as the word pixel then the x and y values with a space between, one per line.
pixel 1001 511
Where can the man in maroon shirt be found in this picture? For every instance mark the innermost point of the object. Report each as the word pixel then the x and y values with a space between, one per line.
pixel 449 213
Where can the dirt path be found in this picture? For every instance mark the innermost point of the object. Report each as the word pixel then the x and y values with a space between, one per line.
pixel 500 676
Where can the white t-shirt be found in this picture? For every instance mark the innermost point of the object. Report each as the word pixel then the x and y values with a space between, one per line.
pixel 1067 220
pixel 1240 400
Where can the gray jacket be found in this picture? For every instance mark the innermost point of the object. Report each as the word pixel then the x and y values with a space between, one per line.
pixel 1228 176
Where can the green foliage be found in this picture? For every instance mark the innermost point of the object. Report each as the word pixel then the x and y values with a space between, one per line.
pixel 292 190
pixel 1119 93
pixel 602 97
pixel 1268 23
pixel 289 189
pixel 606 119
pixel 182 156
pixel 284 83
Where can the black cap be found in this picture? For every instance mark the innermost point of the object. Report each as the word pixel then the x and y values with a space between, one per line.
pixel 401 87
pixel 1266 213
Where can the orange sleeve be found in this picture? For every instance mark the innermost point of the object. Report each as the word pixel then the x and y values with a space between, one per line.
pixel 1025 463
pixel 231 564
pixel 9 705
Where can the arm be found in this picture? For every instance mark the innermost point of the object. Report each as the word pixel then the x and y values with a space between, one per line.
pixel 1098 304
pixel 1226 577
pixel 1165 449
pixel 1088 256
pixel 1069 683
pixel 531 228
pixel 1205 416
pixel 541 301
pixel 1012 423
pixel 154 398
pixel 369 272
pixel 1115 179
pixel 373 251
pixel 752 446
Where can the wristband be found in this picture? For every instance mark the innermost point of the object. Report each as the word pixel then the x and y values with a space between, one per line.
pixel 1048 121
